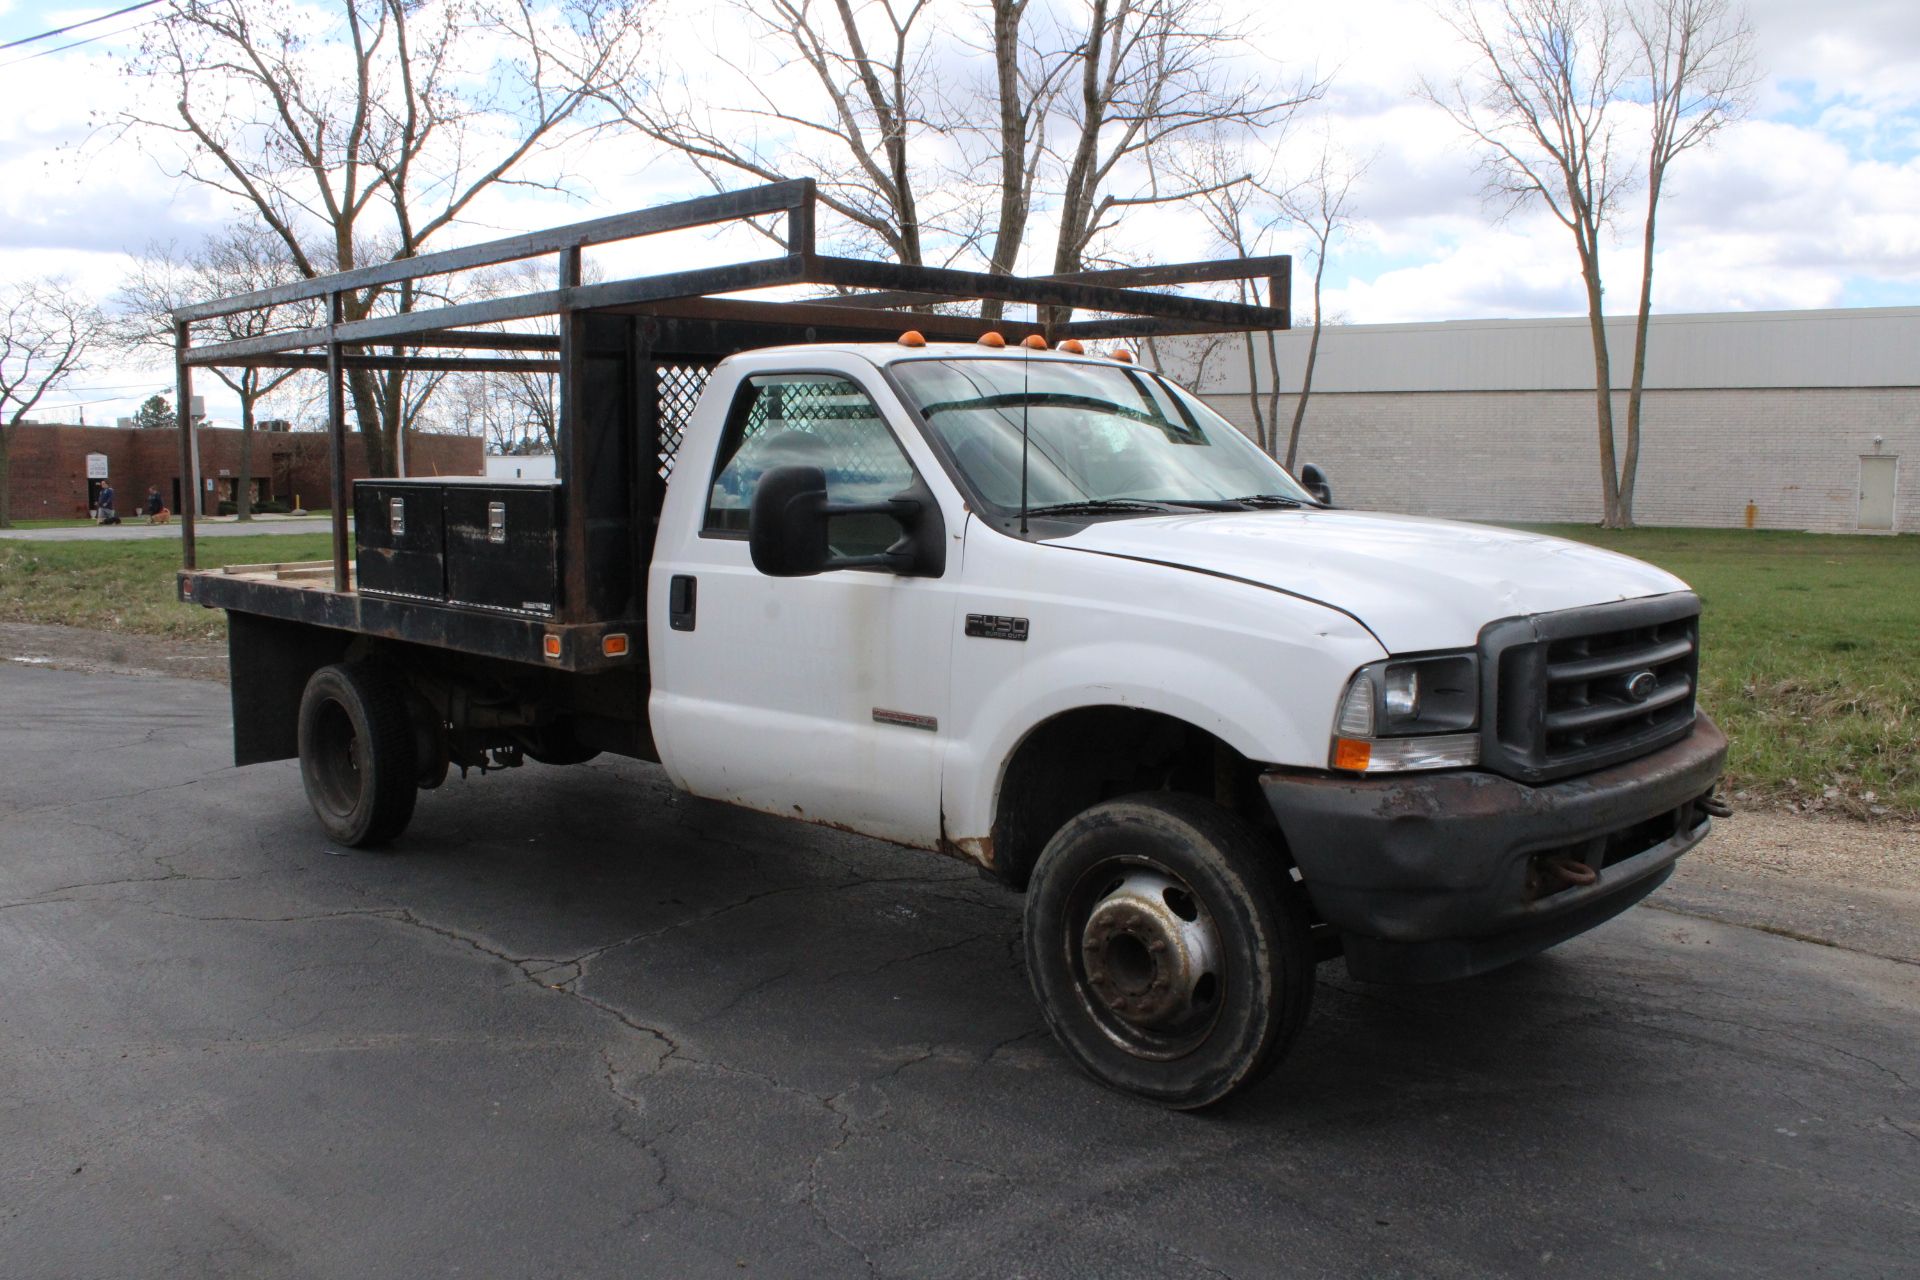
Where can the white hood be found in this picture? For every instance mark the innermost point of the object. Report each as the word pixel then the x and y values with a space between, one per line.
pixel 1416 583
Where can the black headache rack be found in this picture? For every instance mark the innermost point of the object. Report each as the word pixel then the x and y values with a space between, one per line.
pixel 631 357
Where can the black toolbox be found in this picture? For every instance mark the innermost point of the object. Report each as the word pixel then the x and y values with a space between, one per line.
pixel 473 541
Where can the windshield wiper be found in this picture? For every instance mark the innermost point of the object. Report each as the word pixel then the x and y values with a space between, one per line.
pixel 1098 506
pixel 1269 500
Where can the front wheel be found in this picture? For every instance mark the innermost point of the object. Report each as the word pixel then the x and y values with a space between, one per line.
pixel 357 753
pixel 1170 956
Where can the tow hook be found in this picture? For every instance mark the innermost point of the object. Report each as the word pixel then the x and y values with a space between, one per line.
pixel 1716 806
pixel 1569 870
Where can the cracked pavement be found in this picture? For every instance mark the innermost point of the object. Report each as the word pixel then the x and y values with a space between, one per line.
pixel 576 1025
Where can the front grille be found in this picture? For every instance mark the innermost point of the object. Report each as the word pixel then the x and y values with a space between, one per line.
pixel 1585 688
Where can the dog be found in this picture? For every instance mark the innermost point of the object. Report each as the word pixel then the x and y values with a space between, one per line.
pixel 162 516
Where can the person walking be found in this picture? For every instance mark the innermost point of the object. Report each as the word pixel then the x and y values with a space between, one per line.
pixel 107 514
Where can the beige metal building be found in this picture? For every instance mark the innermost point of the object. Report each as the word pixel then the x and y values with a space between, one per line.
pixel 1811 418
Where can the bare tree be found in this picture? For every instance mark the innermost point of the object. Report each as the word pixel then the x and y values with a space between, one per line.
pixel 240 259
pixel 1696 60
pixel 1322 206
pixel 509 408
pixel 46 332
pixel 1247 213
pixel 1242 210
pixel 1538 102
pixel 1027 81
pixel 899 153
pixel 1149 72
pixel 856 132
pixel 359 130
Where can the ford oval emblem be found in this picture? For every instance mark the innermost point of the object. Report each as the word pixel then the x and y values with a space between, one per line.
pixel 1641 684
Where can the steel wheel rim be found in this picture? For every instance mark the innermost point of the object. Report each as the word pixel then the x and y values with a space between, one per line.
pixel 1146 957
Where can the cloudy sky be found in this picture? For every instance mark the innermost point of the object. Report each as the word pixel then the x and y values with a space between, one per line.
pixel 1813 201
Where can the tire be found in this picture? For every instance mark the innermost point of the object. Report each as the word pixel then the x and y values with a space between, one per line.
pixel 357 754
pixel 1168 951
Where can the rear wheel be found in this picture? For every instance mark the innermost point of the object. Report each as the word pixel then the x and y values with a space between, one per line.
pixel 1169 957
pixel 357 753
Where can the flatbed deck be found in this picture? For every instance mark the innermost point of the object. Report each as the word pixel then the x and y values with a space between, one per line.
pixel 305 592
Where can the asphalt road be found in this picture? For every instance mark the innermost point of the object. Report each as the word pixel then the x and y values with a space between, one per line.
pixel 580 1027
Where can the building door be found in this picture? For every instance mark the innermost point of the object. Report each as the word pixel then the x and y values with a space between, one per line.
pixel 1876 491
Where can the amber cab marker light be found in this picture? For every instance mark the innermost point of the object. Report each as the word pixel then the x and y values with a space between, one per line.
pixel 913 338
pixel 992 339
pixel 1352 753
pixel 615 645
pixel 1123 355
pixel 551 646
pixel 1072 347
pixel 1035 341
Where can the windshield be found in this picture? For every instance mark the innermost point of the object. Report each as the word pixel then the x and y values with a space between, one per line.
pixel 1097 434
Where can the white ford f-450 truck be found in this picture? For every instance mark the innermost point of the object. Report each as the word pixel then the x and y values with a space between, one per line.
pixel 1007 599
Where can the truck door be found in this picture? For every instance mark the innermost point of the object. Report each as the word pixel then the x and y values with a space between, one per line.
pixel 823 697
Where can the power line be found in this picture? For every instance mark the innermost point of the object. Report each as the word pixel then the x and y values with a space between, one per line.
pixel 62 48
pixel 75 26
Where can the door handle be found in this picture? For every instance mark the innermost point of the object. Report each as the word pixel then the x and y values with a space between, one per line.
pixel 681 596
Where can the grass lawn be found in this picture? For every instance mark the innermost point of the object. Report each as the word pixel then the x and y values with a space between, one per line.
pixel 127 586
pixel 1810 658
pixel 1810 642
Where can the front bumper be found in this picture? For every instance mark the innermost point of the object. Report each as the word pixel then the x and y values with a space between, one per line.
pixel 1435 876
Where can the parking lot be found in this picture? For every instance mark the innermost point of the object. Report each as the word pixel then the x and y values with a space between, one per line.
pixel 576 1025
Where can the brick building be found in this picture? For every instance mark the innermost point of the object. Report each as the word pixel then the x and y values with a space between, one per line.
pixel 50 466
pixel 1810 417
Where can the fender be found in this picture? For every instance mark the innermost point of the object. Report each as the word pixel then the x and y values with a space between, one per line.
pixel 1257 669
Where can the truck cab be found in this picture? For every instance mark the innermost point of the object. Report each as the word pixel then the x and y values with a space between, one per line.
pixel 1035 606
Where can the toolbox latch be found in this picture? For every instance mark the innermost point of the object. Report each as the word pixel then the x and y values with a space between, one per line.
pixel 496 522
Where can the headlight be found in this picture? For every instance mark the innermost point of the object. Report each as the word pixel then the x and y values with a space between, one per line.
pixel 1410 713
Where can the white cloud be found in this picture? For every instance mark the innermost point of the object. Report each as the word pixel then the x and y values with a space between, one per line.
pixel 1807 204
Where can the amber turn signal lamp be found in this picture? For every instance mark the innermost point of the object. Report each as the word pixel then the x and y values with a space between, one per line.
pixel 1123 355
pixel 1352 753
pixel 913 338
pixel 550 645
pixel 1072 347
pixel 992 339
pixel 1035 341
pixel 615 645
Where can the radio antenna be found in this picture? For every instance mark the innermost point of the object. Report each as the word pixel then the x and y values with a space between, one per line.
pixel 1026 383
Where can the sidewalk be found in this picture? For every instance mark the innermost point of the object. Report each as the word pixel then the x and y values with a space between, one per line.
pixel 136 527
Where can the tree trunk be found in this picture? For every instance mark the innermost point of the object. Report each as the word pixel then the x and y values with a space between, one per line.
pixel 1630 464
pixel 6 477
pixel 1012 225
pixel 366 408
pixel 243 497
pixel 1306 378
pixel 1602 389
pixel 1263 434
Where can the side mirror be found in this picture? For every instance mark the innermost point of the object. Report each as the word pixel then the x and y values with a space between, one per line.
pixel 788 527
pixel 1316 484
